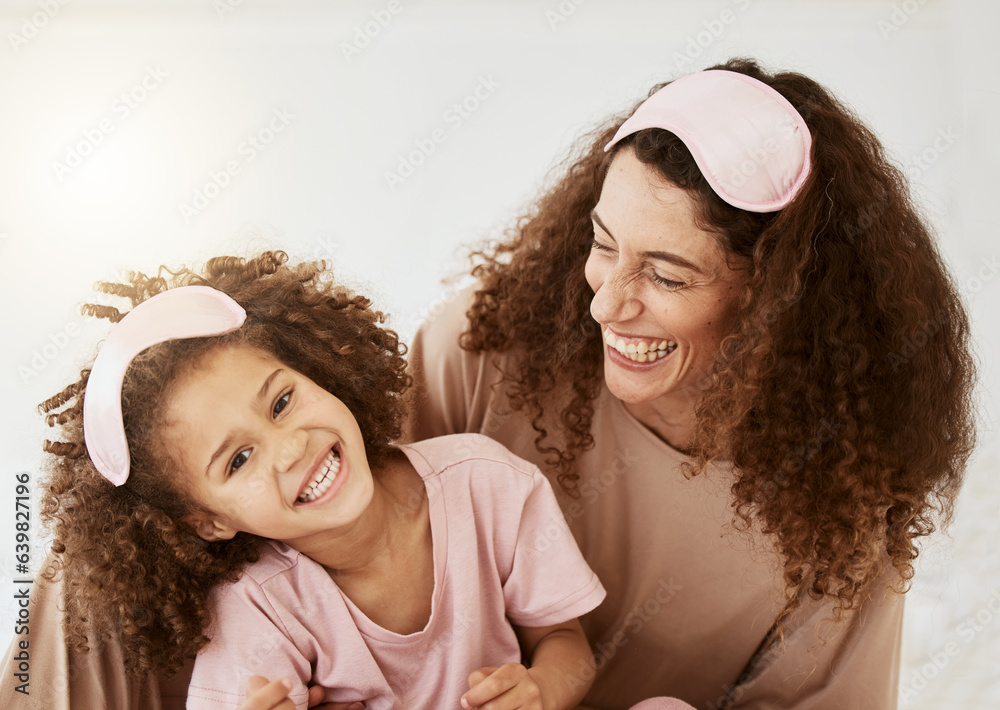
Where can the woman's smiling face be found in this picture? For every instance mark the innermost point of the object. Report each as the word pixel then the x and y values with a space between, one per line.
pixel 663 290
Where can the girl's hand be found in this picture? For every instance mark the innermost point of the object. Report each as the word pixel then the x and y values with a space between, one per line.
pixel 316 693
pixel 505 688
pixel 262 695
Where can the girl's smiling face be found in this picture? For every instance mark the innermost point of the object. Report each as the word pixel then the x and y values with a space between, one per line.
pixel 664 293
pixel 264 449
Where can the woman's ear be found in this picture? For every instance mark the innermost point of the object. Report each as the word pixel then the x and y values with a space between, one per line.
pixel 210 528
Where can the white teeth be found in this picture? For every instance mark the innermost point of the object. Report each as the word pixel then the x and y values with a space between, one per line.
pixel 325 477
pixel 642 351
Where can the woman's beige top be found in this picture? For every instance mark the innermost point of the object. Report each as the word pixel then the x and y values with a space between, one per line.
pixel 690 601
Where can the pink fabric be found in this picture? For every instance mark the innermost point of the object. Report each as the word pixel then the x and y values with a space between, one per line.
pixel 185 312
pixel 749 142
pixel 502 549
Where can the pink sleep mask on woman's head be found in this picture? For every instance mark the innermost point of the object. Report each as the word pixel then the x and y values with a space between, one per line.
pixel 185 312
pixel 749 142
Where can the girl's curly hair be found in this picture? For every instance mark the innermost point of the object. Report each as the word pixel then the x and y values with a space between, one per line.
pixel 134 572
pixel 842 394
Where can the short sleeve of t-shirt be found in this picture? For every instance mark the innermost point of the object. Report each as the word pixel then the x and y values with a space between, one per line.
pixel 255 642
pixel 546 564
pixel 521 533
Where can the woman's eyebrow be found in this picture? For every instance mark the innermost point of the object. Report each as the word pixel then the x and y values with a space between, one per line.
pixel 669 257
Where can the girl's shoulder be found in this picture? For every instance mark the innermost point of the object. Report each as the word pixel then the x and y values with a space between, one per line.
pixel 473 471
pixel 452 452
pixel 277 561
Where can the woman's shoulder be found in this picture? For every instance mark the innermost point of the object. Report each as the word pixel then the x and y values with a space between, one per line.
pixel 453 388
pixel 447 317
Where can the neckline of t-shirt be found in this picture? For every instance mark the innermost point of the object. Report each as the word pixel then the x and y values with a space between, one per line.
pixel 621 413
pixel 638 426
pixel 439 547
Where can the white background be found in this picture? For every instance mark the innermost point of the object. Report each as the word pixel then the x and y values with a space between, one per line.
pixel 216 71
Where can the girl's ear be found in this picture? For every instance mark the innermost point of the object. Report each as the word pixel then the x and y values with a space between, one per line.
pixel 210 528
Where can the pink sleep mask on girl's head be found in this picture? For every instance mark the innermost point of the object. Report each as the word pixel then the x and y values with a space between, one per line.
pixel 747 139
pixel 186 312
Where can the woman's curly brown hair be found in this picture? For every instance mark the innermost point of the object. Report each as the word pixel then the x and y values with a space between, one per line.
pixel 842 393
pixel 134 571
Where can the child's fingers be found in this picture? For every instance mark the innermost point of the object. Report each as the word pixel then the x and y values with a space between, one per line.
pixel 316 694
pixel 477 676
pixel 264 695
pixel 255 683
pixel 493 683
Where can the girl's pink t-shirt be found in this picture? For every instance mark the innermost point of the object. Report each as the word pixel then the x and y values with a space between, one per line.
pixel 502 551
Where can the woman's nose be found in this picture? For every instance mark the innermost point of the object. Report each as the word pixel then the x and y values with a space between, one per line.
pixel 614 301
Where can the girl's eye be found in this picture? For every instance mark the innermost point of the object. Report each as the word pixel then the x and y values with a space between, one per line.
pixel 281 403
pixel 594 244
pixel 239 460
pixel 666 283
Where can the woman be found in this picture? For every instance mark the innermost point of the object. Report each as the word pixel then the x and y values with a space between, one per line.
pixel 735 347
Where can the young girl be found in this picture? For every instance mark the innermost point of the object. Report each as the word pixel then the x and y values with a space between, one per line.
pixel 227 486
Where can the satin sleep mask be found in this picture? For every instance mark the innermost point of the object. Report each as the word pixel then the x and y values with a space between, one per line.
pixel 185 312
pixel 749 142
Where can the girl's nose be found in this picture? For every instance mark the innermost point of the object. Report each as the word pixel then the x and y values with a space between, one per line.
pixel 290 448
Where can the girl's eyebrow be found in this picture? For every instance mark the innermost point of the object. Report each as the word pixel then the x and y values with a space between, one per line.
pixel 218 452
pixel 266 386
pixel 257 400
pixel 669 257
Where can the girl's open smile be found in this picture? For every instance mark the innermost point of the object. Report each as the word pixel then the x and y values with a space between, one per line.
pixel 323 480
pixel 266 450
